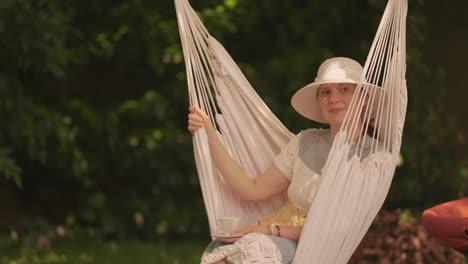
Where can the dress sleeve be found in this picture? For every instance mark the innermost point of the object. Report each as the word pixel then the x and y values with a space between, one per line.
pixel 285 160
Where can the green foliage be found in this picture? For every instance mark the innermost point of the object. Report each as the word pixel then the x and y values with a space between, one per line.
pixel 33 46
pixel 432 143
pixel 81 248
pixel 36 133
pixel 35 36
pixel 8 167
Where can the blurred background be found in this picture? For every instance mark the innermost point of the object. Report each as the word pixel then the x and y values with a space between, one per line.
pixel 96 165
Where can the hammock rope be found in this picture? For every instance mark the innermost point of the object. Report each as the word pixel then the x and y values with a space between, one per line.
pixel 354 181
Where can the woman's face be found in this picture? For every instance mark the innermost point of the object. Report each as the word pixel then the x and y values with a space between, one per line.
pixel 334 100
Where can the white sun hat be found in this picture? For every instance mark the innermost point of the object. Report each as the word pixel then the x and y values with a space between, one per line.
pixel 334 70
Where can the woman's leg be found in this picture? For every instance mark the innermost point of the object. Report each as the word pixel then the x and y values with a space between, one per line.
pixel 254 247
pixel 287 248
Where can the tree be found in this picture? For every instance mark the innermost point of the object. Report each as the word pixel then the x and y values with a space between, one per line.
pixel 94 104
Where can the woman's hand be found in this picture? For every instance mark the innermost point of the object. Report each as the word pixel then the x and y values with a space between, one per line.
pixel 246 230
pixel 198 119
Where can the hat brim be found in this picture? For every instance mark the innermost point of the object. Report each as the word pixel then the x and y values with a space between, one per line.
pixel 305 100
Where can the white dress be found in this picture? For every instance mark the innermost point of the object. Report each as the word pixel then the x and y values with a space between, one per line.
pixel 301 161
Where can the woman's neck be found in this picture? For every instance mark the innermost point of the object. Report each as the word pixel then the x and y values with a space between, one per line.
pixel 357 133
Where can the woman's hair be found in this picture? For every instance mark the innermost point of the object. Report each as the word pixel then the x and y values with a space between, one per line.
pixel 371 131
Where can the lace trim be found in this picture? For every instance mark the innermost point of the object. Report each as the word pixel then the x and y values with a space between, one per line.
pixel 376 159
pixel 253 248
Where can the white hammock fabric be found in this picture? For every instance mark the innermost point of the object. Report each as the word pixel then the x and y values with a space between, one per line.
pixel 352 190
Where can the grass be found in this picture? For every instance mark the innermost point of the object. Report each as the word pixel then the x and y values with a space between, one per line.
pixel 87 250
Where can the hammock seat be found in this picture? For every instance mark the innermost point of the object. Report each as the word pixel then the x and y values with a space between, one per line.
pixel 352 189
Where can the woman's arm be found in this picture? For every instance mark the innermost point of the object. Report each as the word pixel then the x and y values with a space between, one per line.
pixel 291 233
pixel 270 183
pixel 288 232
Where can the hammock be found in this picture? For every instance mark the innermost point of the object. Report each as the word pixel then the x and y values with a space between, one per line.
pixel 353 187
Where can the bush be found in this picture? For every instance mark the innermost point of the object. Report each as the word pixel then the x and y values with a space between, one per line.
pixel 397 237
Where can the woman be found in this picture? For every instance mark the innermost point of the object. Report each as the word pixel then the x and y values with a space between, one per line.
pixel 297 168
